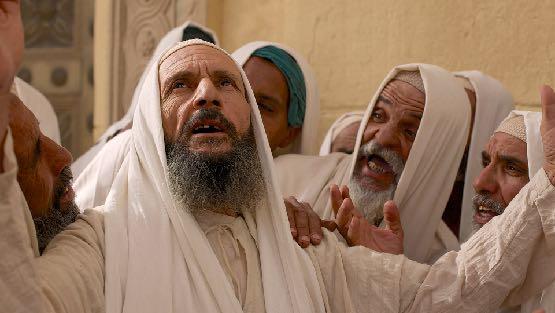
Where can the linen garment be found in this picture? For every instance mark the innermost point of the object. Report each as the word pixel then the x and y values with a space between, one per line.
pixel 339 125
pixel 493 104
pixel 35 101
pixel 427 180
pixel 306 142
pixel 88 158
pixel 141 253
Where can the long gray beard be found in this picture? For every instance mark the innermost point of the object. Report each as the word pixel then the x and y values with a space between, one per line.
pixel 371 202
pixel 228 183
pixel 48 226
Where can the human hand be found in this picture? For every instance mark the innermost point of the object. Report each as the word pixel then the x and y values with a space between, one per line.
pixel 306 225
pixel 548 131
pixel 356 229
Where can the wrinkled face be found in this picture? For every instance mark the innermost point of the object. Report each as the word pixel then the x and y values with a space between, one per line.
pixel 272 96
pixel 197 79
pixel 11 41
pixel 392 126
pixel 504 173
pixel 44 174
pixel 346 139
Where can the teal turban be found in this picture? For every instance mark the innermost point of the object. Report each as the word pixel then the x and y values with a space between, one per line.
pixel 295 81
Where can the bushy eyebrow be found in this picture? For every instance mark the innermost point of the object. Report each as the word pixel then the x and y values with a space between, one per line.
pixel 512 159
pixel 384 100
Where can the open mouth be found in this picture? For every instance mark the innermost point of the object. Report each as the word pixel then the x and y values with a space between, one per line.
pixel 484 214
pixel 378 165
pixel 207 127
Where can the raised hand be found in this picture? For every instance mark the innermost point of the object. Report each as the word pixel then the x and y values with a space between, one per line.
pixel 306 225
pixel 357 231
pixel 548 131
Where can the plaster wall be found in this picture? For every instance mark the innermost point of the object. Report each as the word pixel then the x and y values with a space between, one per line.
pixel 353 44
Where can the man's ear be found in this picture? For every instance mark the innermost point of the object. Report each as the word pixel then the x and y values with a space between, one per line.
pixel 292 133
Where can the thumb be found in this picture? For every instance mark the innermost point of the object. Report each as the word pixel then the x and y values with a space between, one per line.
pixel 548 103
pixel 328 224
pixel 392 218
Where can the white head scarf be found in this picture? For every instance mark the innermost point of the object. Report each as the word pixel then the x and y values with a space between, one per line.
pixel 337 127
pixel 306 142
pixel 426 182
pixel 171 38
pixel 157 257
pixel 493 103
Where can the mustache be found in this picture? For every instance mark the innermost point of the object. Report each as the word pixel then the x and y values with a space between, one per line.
pixel 209 114
pixel 388 155
pixel 487 202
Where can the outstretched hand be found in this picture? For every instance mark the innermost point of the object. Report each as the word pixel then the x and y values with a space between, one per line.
pixel 306 225
pixel 356 229
pixel 548 131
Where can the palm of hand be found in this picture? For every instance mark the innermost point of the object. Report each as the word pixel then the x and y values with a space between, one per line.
pixel 375 238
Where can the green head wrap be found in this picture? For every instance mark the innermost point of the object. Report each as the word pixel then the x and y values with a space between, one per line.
pixel 295 81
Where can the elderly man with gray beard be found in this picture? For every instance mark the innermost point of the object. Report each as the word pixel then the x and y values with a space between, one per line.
pixel 409 146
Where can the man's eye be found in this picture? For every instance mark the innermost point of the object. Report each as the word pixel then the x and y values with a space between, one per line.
pixel 226 82
pixel 411 134
pixel 178 85
pixel 485 163
pixel 377 117
pixel 265 107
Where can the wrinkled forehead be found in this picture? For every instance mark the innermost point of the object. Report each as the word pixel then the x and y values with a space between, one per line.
pixel 505 144
pixel 199 57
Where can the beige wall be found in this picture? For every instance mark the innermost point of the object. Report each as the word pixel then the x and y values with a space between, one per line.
pixel 353 44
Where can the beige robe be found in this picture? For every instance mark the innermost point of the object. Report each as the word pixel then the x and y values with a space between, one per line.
pixel 503 259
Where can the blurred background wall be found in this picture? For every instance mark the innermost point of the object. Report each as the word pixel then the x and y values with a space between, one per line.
pixel 86 56
pixel 353 44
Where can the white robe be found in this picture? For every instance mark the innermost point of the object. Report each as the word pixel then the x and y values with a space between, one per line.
pixel 430 170
pixel 493 103
pixel 41 108
pixel 306 142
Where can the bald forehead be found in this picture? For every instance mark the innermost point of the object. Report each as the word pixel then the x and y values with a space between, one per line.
pixel 21 118
pixel 199 57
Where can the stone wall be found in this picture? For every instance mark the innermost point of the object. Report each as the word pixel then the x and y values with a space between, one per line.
pixel 353 44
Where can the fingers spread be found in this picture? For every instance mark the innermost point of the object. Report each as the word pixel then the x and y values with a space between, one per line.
pixel 345 192
pixel 344 216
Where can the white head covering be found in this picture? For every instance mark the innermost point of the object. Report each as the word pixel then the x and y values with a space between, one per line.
pixel 493 103
pixel 306 142
pixel 172 37
pixel 426 182
pixel 41 108
pixel 157 257
pixel 337 127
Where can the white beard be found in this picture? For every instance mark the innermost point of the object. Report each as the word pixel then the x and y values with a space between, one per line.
pixel 370 203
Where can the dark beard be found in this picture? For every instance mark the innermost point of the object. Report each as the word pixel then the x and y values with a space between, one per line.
pixel 58 218
pixel 224 183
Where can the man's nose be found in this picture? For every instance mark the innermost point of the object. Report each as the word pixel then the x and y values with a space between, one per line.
pixel 386 136
pixel 58 156
pixel 207 94
pixel 485 182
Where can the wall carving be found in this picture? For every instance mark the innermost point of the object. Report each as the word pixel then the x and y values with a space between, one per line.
pixel 48 23
pixel 58 54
